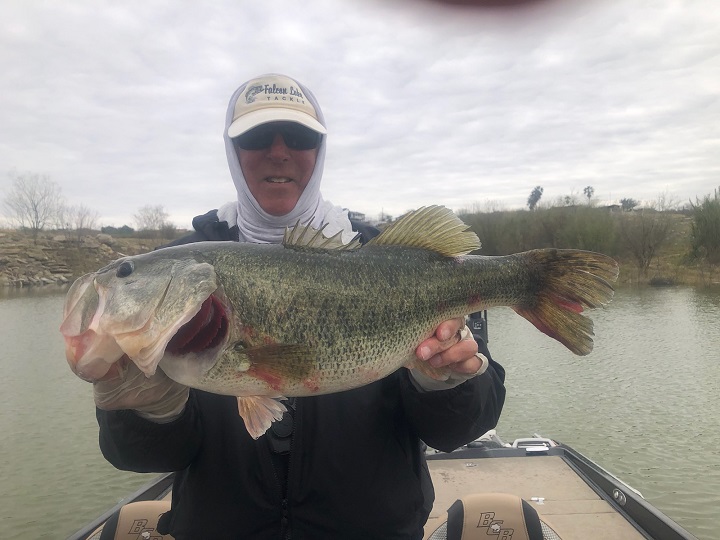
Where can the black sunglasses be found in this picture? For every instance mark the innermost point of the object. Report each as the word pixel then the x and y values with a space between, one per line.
pixel 296 137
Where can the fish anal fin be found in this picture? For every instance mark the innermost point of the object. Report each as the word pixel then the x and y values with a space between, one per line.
pixel 259 412
pixel 434 228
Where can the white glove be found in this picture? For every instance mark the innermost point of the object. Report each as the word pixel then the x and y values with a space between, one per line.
pixel 157 398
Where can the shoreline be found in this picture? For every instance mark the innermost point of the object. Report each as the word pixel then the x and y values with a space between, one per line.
pixel 58 259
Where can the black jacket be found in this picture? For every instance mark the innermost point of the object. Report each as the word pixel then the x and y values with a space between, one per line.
pixel 355 466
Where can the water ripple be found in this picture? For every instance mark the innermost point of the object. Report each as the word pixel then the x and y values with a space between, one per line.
pixel 643 404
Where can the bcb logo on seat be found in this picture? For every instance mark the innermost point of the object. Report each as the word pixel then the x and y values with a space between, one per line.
pixel 494 526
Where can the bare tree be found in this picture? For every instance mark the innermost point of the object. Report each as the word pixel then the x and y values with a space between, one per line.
pixel 154 219
pixel 493 205
pixel 80 218
pixel 62 218
pixel 644 233
pixel 85 219
pixel 33 201
pixel 151 218
pixel 666 202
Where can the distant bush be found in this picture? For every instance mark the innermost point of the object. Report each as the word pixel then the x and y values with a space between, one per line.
pixel 123 231
pixel 577 227
pixel 642 237
pixel 592 229
pixel 501 233
pixel 705 232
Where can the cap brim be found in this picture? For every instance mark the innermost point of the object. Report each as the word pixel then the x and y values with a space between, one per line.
pixel 256 118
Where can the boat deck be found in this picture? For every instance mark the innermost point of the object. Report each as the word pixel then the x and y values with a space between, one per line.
pixel 562 499
pixel 573 495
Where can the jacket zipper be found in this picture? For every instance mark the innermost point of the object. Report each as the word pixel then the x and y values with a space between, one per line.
pixel 285 529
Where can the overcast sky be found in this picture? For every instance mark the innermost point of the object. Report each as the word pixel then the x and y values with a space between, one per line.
pixel 122 103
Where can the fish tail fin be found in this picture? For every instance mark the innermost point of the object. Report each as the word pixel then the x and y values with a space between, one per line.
pixel 259 412
pixel 569 282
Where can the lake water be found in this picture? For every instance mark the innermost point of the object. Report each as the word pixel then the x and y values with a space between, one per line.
pixel 645 405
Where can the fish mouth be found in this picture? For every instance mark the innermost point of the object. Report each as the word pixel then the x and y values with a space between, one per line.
pixel 206 330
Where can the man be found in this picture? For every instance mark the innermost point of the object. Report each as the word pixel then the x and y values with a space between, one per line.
pixel 345 465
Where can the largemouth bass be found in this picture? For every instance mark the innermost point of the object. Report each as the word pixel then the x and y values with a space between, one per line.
pixel 262 322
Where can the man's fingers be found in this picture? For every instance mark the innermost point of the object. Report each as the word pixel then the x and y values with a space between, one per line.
pixel 462 351
pixel 449 329
pixel 446 335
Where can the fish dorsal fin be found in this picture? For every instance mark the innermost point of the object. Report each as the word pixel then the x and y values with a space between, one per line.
pixel 305 236
pixel 434 228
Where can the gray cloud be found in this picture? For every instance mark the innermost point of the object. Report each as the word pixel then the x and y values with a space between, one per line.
pixel 123 104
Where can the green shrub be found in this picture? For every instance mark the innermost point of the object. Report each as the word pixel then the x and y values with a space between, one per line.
pixel 502 233
pixel 705 231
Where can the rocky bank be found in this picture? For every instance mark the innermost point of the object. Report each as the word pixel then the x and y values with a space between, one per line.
pixel 59 259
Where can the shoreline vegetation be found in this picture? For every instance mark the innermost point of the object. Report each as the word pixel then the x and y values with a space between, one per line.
pixel 653 247
pixel 657 248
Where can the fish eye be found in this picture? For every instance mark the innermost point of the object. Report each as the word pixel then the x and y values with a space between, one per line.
pixel 125 269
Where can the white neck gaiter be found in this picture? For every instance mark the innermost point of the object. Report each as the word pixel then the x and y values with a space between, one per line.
pixel 256 225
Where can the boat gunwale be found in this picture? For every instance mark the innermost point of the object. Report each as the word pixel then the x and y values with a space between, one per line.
pixel 153 490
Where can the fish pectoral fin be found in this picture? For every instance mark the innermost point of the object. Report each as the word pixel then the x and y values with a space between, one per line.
pixel 277 363
pixel 259 412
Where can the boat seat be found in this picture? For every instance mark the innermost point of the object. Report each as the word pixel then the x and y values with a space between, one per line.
pixel 500 516
pixel 135 521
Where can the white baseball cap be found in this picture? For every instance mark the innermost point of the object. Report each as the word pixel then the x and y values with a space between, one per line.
pixel 272 98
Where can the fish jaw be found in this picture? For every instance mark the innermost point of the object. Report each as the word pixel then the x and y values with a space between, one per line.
pixel 90 356
pixel 89 352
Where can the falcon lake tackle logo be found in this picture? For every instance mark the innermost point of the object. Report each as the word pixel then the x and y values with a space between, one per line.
pixel 274 93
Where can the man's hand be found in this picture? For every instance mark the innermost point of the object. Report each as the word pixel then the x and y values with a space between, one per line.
pixel 451 346
pixel 157 398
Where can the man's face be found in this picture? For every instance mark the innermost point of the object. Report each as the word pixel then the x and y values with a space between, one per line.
pixel 277 174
